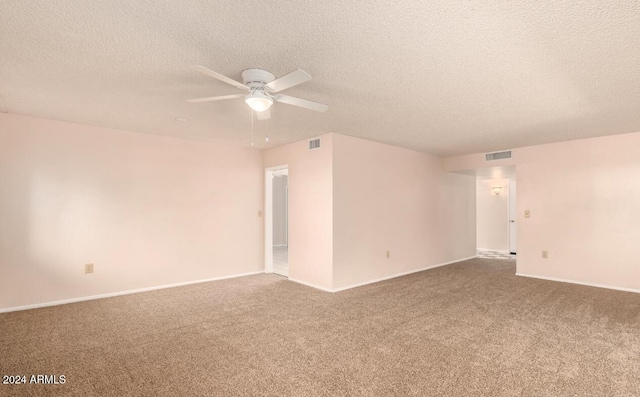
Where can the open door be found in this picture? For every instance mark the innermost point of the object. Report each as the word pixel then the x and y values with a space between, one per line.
pixel 280 222
pixel 277 220
pixel 512 217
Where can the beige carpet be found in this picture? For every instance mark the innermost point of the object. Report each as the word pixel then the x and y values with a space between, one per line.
pixel 469 329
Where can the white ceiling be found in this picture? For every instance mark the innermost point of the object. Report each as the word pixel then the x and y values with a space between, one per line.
pixel 444 77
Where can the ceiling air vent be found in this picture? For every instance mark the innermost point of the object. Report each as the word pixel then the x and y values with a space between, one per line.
pixel 314 143
pixel 498 155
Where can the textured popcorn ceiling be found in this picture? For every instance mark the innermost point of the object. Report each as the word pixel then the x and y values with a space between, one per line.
pixel 444 77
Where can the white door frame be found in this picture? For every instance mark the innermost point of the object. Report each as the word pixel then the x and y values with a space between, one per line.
pixel 268 216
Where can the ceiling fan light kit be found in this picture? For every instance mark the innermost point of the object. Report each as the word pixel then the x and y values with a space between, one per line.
pixel 263 87
pixel 258 101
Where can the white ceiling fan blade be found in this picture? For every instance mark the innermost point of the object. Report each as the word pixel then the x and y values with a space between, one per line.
pixel 220 77
pixel 303 103
pixel 215 98
pixel 294 78
pixel 264 115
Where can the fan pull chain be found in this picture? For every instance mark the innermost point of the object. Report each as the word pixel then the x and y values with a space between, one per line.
pixel 266 137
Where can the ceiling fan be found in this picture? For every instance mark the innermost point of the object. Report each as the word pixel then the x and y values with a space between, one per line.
pixel 263 90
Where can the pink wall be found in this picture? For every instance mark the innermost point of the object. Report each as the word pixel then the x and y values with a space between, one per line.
pixel 584 198
pixel 310 209
pixel 146 210
pixel 492 215
pixel 353 200
pixel 388 198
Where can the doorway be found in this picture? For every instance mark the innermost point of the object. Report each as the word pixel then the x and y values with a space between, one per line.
pixel 496 212
pixel 277 221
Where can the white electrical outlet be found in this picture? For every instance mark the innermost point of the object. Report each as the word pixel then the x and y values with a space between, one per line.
pixel 545 254
pixel 88 268
pixel 527 213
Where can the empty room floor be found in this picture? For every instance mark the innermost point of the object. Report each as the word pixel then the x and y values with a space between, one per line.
pixel 471 328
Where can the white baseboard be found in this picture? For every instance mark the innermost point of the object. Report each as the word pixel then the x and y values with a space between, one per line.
pixel 128 292
pixel 561 280
pixel 402 274
pixel 135 291
pixel 310 285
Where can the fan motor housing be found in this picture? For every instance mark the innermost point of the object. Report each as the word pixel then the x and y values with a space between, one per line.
pixel 257 77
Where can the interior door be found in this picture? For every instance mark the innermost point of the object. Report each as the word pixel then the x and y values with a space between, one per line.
pixel 512 217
